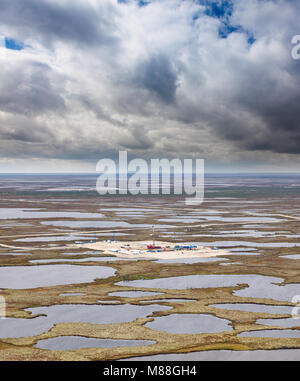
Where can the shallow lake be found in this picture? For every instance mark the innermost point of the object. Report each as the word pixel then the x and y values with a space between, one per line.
pixel 192 260
pixel 261 308
pixel 95 314
pixel 251 244
pixel 244 253
pixel 293 256
pixel 23 277
pixel 133 210
pixel 134 294
pixel 16 213
pixel 284 323
pixel 286 333
pixel 242 219
pixel 259 286
pixel 169 300
pixel 101 224
pixel 247 233
pixel 242 249
pixel 54 238
pixel 189 323
pixel 66 343
pixel 90 259
pixel 180 220
pixel 225 355
pixel 15 253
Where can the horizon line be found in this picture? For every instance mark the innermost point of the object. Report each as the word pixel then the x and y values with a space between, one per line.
pixel 206 173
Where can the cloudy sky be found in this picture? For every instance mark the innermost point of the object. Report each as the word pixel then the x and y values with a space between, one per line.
pixel 82 79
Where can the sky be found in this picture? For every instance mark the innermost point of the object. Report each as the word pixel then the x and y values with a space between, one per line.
pixel 81 80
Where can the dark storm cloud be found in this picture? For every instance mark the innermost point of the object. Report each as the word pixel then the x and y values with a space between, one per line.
pixel 135 138
pixel 281 129
pixel 158 76
pixel 23 130
pixel 27 89
pixel 49 20
pixel 91 105
pixel 271 102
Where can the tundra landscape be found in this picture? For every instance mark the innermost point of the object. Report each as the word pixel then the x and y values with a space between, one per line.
pixel 65 301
